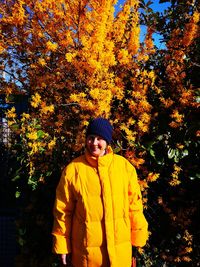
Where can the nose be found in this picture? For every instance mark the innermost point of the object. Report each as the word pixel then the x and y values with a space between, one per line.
pixel 95 141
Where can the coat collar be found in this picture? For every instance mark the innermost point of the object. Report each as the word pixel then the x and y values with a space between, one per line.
pixel 103 161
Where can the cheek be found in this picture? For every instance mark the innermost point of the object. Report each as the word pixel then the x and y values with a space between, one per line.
pixel 104 145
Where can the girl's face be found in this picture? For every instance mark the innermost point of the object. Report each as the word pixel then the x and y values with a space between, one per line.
pixel 96 145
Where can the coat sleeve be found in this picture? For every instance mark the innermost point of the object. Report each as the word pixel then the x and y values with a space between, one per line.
pixel 63 212
pixel 139 225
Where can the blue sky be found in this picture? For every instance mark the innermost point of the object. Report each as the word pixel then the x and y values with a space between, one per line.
pixel 157 7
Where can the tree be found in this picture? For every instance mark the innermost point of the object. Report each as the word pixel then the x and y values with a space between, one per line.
pixel 77 60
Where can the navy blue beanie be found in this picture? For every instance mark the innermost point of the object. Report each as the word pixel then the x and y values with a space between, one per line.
pixel 101 127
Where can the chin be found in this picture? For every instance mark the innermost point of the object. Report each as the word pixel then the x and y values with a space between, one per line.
pixel 95 154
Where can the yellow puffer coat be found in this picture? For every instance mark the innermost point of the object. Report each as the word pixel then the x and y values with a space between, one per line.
pixel 98 212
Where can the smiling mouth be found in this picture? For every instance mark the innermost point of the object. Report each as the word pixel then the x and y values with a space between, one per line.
pixel 95 149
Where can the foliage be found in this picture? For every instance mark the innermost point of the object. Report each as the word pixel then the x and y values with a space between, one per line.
pixel 77 60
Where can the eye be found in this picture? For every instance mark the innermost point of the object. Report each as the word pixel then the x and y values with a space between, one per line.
pixel 91 138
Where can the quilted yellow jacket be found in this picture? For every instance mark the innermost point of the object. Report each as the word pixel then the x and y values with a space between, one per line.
pixel 98 212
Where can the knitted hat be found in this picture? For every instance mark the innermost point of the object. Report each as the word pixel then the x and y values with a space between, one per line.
pixel 101 127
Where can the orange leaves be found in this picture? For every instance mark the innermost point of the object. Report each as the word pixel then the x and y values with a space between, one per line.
pixel 130 135
pixel 187 97
pixel 79 55
pixel 137 161
pixel 138 103
pixel 17 14
pixel 166 102
pixel 126 28
pixel 178 46
pixel 175 176
pixel 188 238
pixel 179 95
pixel 82 41
pixel 144 121
pixel 78 60
pixel 11 114
pixel 2 48
pixel 77 97
pixel 147 48
pixel 46 109
pixel 149 44
pixel 51 46
pixel 42 62
pixel 177 119
pixel 65 39
pixel 36 100
pixel 123 57
pixel 69 57
pixel 152 177
pixel 191 30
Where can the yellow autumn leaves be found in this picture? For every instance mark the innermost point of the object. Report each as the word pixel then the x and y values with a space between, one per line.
pixel 35 141
pixel 45 109
pixel 92 60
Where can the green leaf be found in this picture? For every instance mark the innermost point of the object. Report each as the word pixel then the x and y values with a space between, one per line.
pixel 22 160
pixel 198 175
pixel 15 178
pixel 177 156
pixel 171 153
pixel 40 134
pixel 176 159
pixel 149 144
pixel 160 162
pixel 117 149
pixel 119 143
pixel 21 241
pixel 160 137
pixel 41 149
pixel 185 153
pixel 17 194
pixel 49 173
pixel 152 153
pixel 15 126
